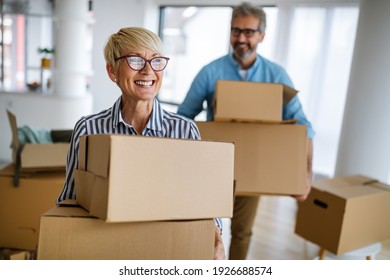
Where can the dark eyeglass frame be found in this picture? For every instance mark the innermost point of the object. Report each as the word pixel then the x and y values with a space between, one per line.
pixel 145 61
pixel 248 32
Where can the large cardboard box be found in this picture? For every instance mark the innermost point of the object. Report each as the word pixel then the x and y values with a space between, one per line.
pixel 345 213
pixel 70 233
pixel 123 178
pixel 269 158
pixel 250 101
pixel 32 156
pixel 21 207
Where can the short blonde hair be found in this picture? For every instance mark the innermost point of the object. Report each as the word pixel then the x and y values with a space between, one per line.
pixel 129 39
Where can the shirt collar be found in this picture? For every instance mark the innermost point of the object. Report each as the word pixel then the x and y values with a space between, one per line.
pixel 154 123
pixel 254 65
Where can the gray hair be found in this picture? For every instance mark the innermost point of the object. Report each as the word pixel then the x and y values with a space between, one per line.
pixel 247 9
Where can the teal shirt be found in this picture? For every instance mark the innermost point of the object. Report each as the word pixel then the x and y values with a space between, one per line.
pixel 226 68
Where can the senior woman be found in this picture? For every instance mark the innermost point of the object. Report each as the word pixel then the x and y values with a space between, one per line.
pixel 135 63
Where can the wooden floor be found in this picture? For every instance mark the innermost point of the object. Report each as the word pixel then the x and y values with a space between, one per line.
pixel 274 237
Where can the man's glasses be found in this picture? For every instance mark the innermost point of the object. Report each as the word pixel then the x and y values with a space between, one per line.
pixel 247 31
pixel 138 63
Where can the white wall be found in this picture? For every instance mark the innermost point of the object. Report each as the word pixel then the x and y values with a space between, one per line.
pixel 110 16
pixel 365 138
pixel 40 112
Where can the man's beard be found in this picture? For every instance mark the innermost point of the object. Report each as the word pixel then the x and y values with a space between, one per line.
pixel 240 54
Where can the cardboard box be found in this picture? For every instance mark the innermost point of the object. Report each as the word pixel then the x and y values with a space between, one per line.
pixel 21 207
pixel 345 213
pixel 269 158
pixel 12 254
pixel 70 233
pixel 123 178
pixel 33 157
pixel 250 101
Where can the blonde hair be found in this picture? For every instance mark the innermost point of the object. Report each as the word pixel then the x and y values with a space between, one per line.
pixel 129 39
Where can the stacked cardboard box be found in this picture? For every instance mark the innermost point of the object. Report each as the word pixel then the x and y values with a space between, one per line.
pixel 29 187
pixel 21 207
pixel 250 101
pixel 71 233
pixel 345 213
pixel 270 154
pixel 142 198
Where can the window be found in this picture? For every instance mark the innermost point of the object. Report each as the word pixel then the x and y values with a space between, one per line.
pixel 191 42
pixel 318 59
pixel 314 44
pixel 25 28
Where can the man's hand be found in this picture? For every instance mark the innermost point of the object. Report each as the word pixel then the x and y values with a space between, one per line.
pixel 219 248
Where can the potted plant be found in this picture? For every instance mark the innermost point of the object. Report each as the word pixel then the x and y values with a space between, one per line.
pixel 46 59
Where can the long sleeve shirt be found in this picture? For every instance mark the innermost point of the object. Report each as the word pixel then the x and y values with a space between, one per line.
pixel 226 68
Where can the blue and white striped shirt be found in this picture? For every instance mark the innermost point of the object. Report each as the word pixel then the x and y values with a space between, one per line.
pixel 161 124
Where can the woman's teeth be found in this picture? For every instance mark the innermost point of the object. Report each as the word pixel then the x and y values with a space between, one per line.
pixel 144 83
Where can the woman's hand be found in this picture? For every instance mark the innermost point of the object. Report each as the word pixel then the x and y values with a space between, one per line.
pixel 219 248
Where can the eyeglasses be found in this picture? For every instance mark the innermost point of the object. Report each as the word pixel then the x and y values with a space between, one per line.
pixel 138 63
pixel 247 31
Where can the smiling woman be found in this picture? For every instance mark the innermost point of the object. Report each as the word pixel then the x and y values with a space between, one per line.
pixel 135 63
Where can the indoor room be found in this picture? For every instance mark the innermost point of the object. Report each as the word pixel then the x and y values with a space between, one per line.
pixel 53 73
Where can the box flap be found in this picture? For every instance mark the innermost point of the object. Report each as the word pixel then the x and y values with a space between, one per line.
pixel 292 121
pixel 82 163
pixel 44 156
pixel 99 197
pixel 84 182
pixel 288 94
pixel 68 202
pixel 67 210
pixel 14 131
pixel 349 187
pixel 9 171
pixel 92 193
pixel 380 186
pixel 98 162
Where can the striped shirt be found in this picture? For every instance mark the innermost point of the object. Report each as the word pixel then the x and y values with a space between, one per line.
pixel 161 124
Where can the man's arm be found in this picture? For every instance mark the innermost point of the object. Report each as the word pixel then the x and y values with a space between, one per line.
pixel 196 95
pixel 309 151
